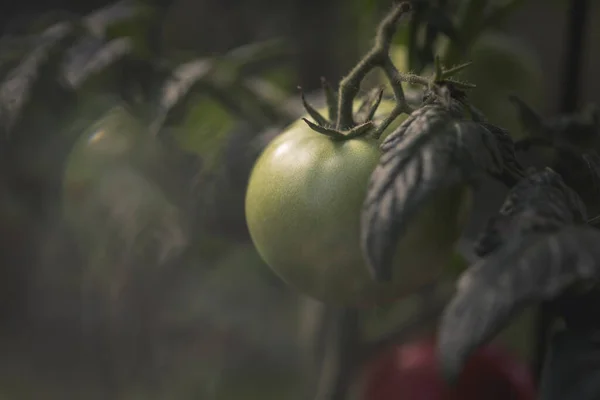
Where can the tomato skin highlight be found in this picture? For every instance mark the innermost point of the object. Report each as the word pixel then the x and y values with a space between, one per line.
pixel 303 205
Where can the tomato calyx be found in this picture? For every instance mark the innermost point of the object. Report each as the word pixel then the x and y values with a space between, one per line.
pixel 342 125
pixel 326 127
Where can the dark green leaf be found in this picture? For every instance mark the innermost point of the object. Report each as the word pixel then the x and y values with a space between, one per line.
pixel 572 367
pixel 255 58
pixel 581 171
pixel 500 13
pixel 35 23
pixel 440 20
pixel 431 150
pixel 541 202
pixel 513 171
pixel 263 98
pixel 91 55
pixel 581 129
pixel 120 12
pixel 16 87
pixel 184 77
pixel 529 269
pixel 531 121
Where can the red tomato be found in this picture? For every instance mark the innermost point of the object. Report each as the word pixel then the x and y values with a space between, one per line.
pixel 410 371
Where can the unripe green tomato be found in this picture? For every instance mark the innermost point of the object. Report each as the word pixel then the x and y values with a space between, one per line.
pixel 303 206
pixel 117 137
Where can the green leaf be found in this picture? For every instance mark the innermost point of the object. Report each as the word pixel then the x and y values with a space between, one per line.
pixel 501 13
pixel 205 130
pixel 256 58
pixel 118 13
pixel 538 203
pixel 535 248
pixel 90 56
pixel 535 268
pixel 433 149
pixel 441 21
pixel 17 86
pixel 177 88
pixel 36 23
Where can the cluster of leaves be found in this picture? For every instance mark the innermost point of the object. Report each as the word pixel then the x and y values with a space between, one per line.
pixel 542 245
pixel 180 128
pixel 66 73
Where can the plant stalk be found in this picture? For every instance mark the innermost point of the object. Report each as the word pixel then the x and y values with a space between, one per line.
pixel 576 30
pixel 340 362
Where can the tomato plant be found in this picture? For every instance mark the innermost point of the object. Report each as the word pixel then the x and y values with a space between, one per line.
pixel 503 66
pixel 302 207
pixel 411 371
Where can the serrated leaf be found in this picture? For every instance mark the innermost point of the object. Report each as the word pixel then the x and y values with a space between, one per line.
pixel 534 268
pixel 581 171
pixel 540 202
pixel 433 149
pixel 530 120
pixel 91 55
pixel 16 87
pixel 513 170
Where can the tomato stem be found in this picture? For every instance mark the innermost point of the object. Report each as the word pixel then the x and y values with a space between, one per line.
pixel 331 98
pixel 433 307
pixel 378 56
pixel 340 360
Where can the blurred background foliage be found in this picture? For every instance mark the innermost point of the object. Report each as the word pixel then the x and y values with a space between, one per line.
pixel 128 131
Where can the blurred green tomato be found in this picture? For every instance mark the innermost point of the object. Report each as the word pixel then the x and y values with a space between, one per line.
pixel 503 65
pixel 116 138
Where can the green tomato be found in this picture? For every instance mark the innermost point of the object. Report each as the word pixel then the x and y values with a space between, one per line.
pixel 116 138
pixel 303 206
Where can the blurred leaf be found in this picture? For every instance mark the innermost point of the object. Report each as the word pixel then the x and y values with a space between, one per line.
pixel 178 87
pixel 204 130
pixel 440 20
pixel 90 56
pixel 16 88
pixel 13 49
pixel 255 58
pixel 35 23
pixel 500 13
pixel 124 12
